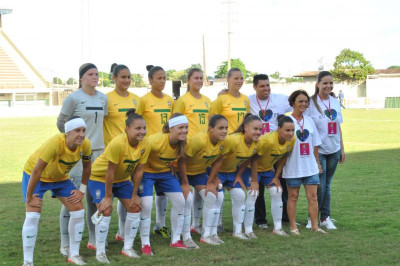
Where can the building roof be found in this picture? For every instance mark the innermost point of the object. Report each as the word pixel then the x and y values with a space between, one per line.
pixel 387 71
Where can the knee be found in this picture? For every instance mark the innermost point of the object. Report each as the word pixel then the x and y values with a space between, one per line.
pixel 293 196
pixel 107 212
pixel 189 200
pixel 134 209
pixel 275 192
pixel 147 205
pixel 237 194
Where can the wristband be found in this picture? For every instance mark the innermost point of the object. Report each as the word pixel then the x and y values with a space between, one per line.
pixel 82 188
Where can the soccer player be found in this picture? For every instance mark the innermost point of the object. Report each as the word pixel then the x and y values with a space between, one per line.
pixel 196 107
pixel 233 105
pixel 120 100
pixel 271 149
pixel 242 147
pixel 326 113
pixel 156 108
pixel 302 165
pixel 47 169
pixel 204 150
pixel 165 149
pixel 123 160
pixel 268 106
pixel 91 105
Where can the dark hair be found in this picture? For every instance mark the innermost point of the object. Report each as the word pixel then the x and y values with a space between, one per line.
pixel 132 116
pixel 320 75
pixel 152 69
pixel 259 77
pixel 230 72
pixel 282 119
pixel 214 120
pixel 293 96
pixel 83 69
pixel 182 144
pixel 248 118
pixel 115 69
pixel 190 73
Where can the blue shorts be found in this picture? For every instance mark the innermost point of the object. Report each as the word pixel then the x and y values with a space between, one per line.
pixel 58 189
pixel 227 180
pixel 198 180
pixel 265 177
pixel 121 190
pixel 163 182
pixel 308 180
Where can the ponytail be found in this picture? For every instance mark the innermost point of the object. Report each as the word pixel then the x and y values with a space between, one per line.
pixel 132 116
pixel 248 118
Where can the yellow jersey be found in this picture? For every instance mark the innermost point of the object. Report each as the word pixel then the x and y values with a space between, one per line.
pixel 123 155
pixel 59 158
pixel 156 111
pixel 234 109
pixel 162 155
pixel 238 153
pixel 270 151
pixel 196 110
pixel 114 122
pixel 202 153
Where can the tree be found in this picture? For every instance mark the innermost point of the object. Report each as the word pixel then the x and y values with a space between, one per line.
pixel 351 65
pixel 137 80
pixel 222 70
pixel 71 81
pixel 57 80
pixel 276 75
pixel 104 79
pixel 394 67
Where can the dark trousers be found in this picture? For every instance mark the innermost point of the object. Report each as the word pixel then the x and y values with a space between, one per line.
pixel 260 214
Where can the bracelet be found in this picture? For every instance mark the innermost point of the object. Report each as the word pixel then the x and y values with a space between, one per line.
pixel 82 188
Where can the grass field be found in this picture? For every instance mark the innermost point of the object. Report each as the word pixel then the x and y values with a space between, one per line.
pixel 365 203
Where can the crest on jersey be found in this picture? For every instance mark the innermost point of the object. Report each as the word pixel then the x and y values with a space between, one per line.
pixel 287 148
pixel 102 101
pixel 169 103
pixel 134 102
pixel 98 193
pixel 221 147
pixel 245 103
pixel 81 154
pixel 206 104
pixel 142 151
pixel 255 150
pixel 141 188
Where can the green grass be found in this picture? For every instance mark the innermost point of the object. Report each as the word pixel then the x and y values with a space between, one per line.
pixel 365 198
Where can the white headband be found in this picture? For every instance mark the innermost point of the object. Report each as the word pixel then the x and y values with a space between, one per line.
pixel 74 123
pixel 178 121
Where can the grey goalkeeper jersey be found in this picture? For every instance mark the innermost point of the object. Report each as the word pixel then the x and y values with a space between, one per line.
pixel 92 109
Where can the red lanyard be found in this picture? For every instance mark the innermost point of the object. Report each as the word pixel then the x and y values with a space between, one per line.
pixel 327 108
pixel 264 112
pixel 301 126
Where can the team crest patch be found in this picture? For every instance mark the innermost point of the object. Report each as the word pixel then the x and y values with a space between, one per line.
pixel 255 150
pixel 245 103
pixel 98 193
pixel 221 147
pixel 141 188
pixel 287 148
pixel 206 104
pixel 169 103
pixel 142 151
pixel 81 154
pixel 134 102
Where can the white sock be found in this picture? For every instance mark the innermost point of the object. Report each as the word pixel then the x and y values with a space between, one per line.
pixel 64 221
pixel 101 234
pixel 249 212
pixel 145 219
pixel 217 214
pixel 208 212
pixel 75 230
pixel 237 196
pixel 221 210
pixel 187 217
pixel 197 209
pixel 91 208
pixel 161 210
pixel 276 207
pixel 29 234
pixel 121 218
pixel 131 228
pixel 177 214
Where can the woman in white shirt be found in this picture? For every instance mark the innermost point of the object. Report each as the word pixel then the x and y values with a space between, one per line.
pixel 302 165
pixel 326 113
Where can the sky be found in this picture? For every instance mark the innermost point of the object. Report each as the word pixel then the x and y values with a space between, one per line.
pixel 287 36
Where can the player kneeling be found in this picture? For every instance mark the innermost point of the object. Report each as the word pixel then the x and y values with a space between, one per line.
pixel 123 159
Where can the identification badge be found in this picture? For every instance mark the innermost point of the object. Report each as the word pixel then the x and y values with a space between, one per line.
pixel 332 128
pixel 305 148
pixel 265 128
